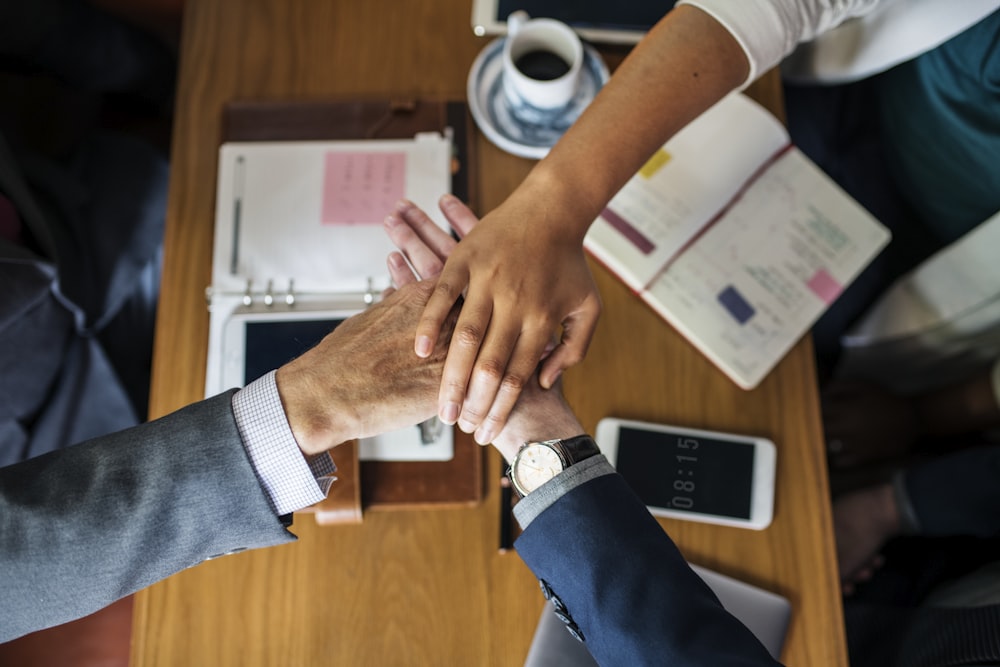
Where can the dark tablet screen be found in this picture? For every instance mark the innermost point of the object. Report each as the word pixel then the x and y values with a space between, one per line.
pixel 272 344
pixel 632 15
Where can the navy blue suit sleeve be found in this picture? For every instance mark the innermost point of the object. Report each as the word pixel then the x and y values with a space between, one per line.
pixel 626 586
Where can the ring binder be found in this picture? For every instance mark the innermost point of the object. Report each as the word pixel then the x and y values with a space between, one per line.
pixel 299 247
pixel 270 299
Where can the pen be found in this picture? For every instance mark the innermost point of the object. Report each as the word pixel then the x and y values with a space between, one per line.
pixel 234 258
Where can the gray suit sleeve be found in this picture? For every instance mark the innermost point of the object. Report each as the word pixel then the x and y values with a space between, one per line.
pixel 85 526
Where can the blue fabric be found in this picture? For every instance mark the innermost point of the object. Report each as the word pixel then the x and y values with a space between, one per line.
pixel 941 119
pixel 78 303
pixel 80 284
pixel 627 587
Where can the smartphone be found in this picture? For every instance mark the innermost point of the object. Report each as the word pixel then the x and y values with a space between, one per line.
pixel 691 474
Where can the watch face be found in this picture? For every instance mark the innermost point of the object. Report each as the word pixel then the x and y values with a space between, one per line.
pixel 535 465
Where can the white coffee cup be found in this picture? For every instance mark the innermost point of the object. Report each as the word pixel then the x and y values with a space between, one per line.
pixel 542 59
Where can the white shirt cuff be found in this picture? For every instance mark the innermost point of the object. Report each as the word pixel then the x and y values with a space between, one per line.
pixel 290 480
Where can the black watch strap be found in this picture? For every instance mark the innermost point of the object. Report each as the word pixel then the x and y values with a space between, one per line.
pixel 579 448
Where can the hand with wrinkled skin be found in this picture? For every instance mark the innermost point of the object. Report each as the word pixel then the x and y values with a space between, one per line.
pixel 363 378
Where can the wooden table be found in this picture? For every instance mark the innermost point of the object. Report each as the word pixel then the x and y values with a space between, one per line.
pixel 429 587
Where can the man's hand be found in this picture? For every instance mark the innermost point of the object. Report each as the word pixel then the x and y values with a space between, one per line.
pixel 363 378
pixel 523 279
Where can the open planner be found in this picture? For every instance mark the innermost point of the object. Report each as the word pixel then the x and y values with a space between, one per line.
pixel 735 238
pixel 299 246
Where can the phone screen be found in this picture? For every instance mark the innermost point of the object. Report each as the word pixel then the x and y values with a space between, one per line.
pixel 270 344
pixel 688 474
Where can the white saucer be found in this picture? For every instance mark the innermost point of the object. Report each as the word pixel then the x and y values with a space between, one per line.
pixel 492 114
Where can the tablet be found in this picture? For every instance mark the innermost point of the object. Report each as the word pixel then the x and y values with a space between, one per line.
pixel 594 20
pixel 255 343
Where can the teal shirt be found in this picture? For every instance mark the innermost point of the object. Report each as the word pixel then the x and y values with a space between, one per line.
pixel 941 119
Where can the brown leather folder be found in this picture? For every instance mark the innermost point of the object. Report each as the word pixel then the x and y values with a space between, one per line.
pixel 364 485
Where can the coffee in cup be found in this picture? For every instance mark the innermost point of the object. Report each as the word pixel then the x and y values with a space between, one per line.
pixel 542 59
pixel 541 65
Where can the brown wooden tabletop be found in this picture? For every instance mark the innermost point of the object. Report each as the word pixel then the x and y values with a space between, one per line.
pixel 430 587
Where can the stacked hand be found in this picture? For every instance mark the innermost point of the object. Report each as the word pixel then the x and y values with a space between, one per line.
pixel 363 378
pixel 539 413
pixel 511 310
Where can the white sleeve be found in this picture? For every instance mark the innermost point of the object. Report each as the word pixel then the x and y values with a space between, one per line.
pixel 768 30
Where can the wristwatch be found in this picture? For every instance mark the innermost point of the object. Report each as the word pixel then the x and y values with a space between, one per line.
pixel 538 462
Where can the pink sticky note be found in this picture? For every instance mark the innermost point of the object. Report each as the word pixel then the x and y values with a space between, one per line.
pixel 825 286
pixel 361 188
